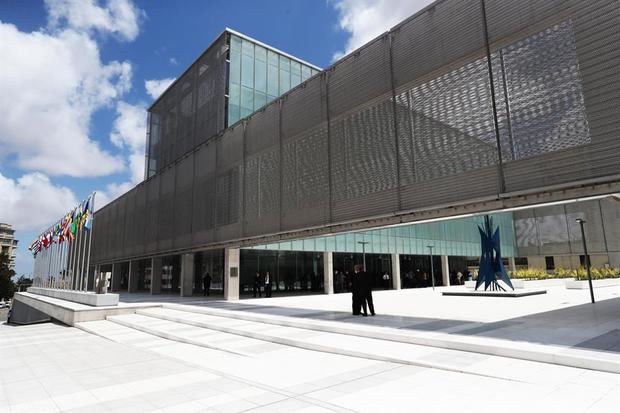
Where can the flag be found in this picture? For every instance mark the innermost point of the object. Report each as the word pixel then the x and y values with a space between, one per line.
pixel 89 222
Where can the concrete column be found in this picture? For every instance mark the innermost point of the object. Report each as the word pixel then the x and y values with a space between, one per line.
pixel 513 265
pixel 156 275
pixel 187 275
pixel 231 273
pixel 116 278
pixel 328 272
pixel 445 270
pixel 132 278
pixel 396 271
pixel 92 278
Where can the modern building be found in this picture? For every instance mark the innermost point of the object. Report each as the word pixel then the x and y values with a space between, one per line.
pixel 234 77
pixel 465 107
pixel 8 243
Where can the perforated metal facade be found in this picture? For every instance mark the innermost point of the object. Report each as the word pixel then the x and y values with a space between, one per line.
pixel 466 99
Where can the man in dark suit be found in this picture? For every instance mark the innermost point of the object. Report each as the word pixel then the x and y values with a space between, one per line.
pixel 206 284
pixel 366 293
pixel 355 283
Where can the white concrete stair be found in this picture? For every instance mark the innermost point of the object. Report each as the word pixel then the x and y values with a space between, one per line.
pixel 184 333
pixel 563 356
pixel 342 344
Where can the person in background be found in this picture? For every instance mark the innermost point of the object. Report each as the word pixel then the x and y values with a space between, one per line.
pixel 257 285
pixel 386 280
pixel 267 284
pixel 356 289
pixel 206 284
pixel 366 294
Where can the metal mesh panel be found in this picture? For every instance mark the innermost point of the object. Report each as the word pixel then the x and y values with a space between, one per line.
pixel 186 104
pixel 140 218
pixel 446 137
pixel 304 107
pixel 441 36
pixel 184 182
pixel 168 127
pixel 562 75
pixel 262 171
pixel 211 87
pixel 305 155
pixel 363 146
pixel 362 76
pixel 203 214
pixel 166 209
pixel 130 214
pixel 152 214
pixel 121 220
pixel 228 188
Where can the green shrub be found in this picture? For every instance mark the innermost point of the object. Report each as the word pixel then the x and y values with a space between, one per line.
pixel 578 274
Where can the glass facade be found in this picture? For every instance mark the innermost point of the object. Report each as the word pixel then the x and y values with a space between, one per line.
pixel 258 75
pixel 458 237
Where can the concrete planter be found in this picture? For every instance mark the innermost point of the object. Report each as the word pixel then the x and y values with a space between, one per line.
pixel 583 284
pixel 82 297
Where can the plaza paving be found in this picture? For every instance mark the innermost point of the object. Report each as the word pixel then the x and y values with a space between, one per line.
pixel 255 355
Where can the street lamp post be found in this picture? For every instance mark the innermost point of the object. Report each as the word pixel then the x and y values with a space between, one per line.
pixel 585 251
pixel 363 252
pixel 430 248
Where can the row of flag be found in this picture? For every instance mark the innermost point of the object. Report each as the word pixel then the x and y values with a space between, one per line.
pixel 67 227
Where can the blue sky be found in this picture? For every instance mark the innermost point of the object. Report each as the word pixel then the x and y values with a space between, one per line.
pixel 74 73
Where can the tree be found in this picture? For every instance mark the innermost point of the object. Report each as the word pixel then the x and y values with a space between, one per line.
pixel 22 283
pixel 7 287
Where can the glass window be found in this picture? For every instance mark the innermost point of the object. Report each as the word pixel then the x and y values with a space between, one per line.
pixel 305 73
pixel 247 71
pixel 295 73
pixel 247 48
pixel 260 100
pixel 260 76
pixel 260 53
pixel 235 43
pixel 247 101
pixel 272 58
pixel 235 67
pixel 285 74
pixel 233 114
pixel 272 80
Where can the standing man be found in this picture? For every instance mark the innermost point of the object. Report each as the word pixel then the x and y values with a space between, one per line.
pixel 257 285
pixel 267 284
pixel 356 289
pixel 206 284
pixel 366 293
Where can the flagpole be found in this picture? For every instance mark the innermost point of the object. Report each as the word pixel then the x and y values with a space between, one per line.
pixel 90 236
pixel 71 257
pixel 81 256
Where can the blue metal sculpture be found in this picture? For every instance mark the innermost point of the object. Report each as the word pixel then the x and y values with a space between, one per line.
pixel 491 266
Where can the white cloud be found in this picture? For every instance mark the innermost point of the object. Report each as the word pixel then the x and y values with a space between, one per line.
pixel 51 86
pixel 33 202
pixel 156 87
pixel 367 19
pixel 119 17
pixel 129 132
pixel 173 61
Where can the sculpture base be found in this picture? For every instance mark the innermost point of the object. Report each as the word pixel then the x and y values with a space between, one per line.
pixel 511 294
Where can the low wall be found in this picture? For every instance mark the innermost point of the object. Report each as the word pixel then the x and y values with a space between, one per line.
pixel 583 284
pixel 82 297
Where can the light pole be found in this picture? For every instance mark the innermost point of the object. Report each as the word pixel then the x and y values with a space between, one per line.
pixel 585 251
pixel 364 252
pixel 430 248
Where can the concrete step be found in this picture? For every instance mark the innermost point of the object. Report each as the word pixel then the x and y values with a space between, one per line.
pixel 521 350
pixel 342 344
pixel 186 333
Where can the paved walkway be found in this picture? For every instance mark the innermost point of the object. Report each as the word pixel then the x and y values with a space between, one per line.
pixel 185 358
pixel 561 317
